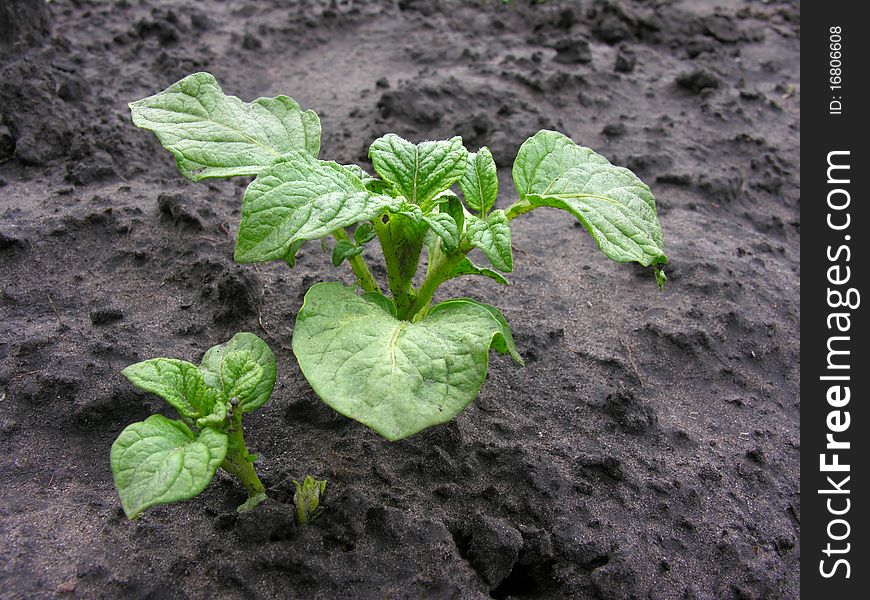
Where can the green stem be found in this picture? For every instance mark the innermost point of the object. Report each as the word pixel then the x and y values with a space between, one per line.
pixel 518 208
pixel 358 264
pixel 236 462
pixel 436 275
pixel 402 249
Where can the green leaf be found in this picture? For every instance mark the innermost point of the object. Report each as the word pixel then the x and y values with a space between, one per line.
pixel 418 171
pixel 301 198
pixel 372 183
pixel 479 185
pixel 290 255
pixel 217 418
pixel 360 173
pixel 396 377
pixel 492 235
pixel 159 460
pixel 214 135
pixel 441 199
pixel 364 233
pixel 406 209
pixel 343 250
pixel 242 368
pixel 455 209
pixel 178 382
pixel 466 267
pixel 615 206
pixel 379 186
pixel 252 503
pixel 386 303
pixel 443 225
pixel 240 376
pixel 503 344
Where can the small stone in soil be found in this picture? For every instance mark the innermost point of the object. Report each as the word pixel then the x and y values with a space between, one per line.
pixel 7 240
pixel 176 207
pixel 238 295
pixel 106 315
pixel 614 130
pixel 493 548
pixel 573 51
pixel 7 143
pixel 625 60
pixel 698 80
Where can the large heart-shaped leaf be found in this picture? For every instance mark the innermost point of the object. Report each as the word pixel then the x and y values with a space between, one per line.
pixel 159 460
pixel 214 135
pixel 242 368
pixel 615 206
pixel 299 198
pixel 395 376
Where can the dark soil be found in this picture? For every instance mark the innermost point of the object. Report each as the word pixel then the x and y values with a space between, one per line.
pixel 649 449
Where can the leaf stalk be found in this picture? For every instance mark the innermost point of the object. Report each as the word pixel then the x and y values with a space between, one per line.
pixel 518 208
pixel 437 274
pixel 366 280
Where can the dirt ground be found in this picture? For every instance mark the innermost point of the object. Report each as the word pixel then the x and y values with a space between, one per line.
pixel 649 449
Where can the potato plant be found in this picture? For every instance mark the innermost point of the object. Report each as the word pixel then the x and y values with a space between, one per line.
pixel 161 460
pixel 386 356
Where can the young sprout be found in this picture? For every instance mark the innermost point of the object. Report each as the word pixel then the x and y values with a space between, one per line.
pixel 307 499
pixel 161 460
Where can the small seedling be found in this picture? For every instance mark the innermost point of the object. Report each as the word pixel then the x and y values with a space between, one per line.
pixel 161 460
pixel 395 363
pixel 307 499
